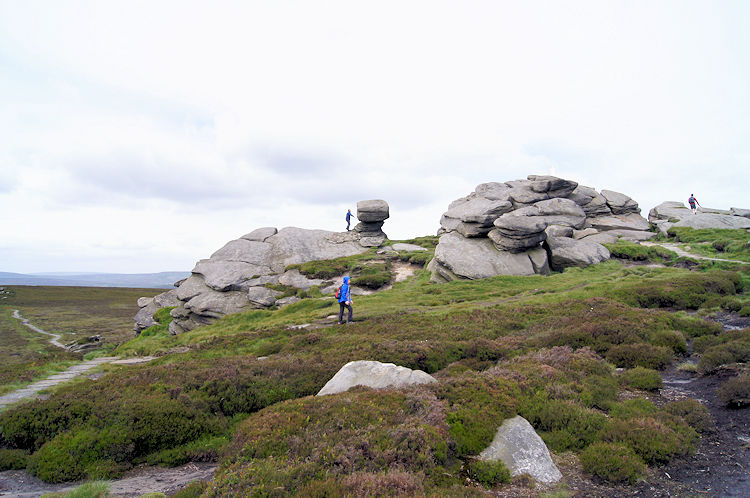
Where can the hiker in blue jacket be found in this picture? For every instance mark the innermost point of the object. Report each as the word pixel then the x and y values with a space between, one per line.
pixel 345 301
pixel 348 218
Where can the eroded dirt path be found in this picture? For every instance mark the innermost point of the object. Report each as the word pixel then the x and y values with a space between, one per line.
pixel 32 390
pixel 683 253
pixel 137 482
pixel 55 341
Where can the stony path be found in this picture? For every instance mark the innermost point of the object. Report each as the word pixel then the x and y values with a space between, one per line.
pixel 137 482
pixel 683 253
pixel 55 337
pixel 32 390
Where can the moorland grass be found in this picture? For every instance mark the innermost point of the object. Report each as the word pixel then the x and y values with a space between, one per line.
pixel 715 242
pixel 534 346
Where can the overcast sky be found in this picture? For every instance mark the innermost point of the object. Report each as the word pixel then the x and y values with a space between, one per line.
pixel 141 136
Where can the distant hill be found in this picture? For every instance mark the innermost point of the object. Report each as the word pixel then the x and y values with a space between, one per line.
pixel 162 280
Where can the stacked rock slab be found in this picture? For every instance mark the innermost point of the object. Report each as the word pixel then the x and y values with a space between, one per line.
pixel 371 215
pixel 527 227
pixel 675 214
pixel 239 276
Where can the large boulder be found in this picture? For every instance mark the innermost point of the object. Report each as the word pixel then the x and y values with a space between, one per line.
pixel 372 210
pixel 222 275
pixel 235 277
pixel 566 252
pixel 374 374
pixel 479 210
pixel 668 214
pixel 518 233
pixel 745 213
pixel 522 451
pixel 629 221
pixel 554 212
pixel 592 202
pixel 260 234
pixel 543 208
pixel 620 203
pixel 293 278
pixel 215 304
pixel 478 258
pixel 150 305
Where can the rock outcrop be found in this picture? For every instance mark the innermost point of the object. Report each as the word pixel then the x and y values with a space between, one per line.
pixel 522 451
pixel 240 275
pixel 150 305
pixel 374 374
pixel 371 215
pixel 675 214
pixel 527 227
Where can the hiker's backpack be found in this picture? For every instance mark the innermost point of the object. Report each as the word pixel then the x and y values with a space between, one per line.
pixel 338 292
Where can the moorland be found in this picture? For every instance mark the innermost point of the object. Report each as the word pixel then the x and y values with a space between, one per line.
pixel 624 369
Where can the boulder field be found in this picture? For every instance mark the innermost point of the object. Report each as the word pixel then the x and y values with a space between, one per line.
pixel 532 226
pixel 235 277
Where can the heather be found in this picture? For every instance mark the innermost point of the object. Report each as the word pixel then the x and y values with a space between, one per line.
pixel 241 391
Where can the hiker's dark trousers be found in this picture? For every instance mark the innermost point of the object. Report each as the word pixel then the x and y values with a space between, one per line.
pixel 343 305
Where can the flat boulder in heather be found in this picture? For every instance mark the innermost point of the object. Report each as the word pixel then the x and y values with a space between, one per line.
pixel 376 375
pixel 522 451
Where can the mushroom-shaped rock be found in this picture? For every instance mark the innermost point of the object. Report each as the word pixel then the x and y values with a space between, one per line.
pixel 522 451
pixel 372 210
pixel 374 374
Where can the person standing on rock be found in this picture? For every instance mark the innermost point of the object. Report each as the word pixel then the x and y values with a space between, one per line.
pixel 348 218
pixel 693 201
pixel 345 301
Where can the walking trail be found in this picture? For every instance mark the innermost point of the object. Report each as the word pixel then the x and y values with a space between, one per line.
pixel 32 390
pixel 683 253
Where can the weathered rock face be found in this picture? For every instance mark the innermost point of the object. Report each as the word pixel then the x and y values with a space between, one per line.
pixel 150 305
pixel 374 374
pixel 234 278
pixel 502 228
pixel 676 214
pixel 522 451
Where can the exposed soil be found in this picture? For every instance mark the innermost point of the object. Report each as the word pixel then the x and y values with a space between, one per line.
pixel 137 482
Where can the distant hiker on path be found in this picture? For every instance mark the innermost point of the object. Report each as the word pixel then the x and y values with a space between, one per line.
pixel 345 301
pixel 693 201
pixel 348 218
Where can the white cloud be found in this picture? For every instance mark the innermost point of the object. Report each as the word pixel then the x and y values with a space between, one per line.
pixel 184 124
